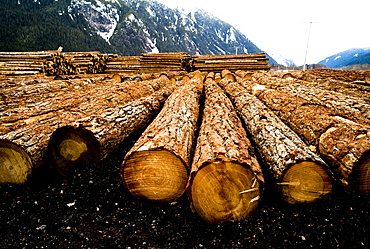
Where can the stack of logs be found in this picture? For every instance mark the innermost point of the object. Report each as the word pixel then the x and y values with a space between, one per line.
pixel 307 137
pixel 217 63
pixel 117 64
pixel 51 63
pixel 164 62
pixel 69 63
pixel 26 63
pixel 85 62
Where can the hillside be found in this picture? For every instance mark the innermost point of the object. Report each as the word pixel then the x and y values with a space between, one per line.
pixel 115 26
pixel 346 58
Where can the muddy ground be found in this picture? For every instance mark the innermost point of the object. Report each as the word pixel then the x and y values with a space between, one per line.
pixel 94 210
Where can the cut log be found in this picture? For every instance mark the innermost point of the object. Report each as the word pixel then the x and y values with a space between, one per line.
pixel 225 178
pixel 109 128
pixel 339 141
pixel 31 126
pixel 15 164
pixel 156 168
pixel 303 176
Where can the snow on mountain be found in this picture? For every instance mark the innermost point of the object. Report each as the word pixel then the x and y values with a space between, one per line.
pixel 125 27
pixel 346 58
pixel 102 16
pixel 281 60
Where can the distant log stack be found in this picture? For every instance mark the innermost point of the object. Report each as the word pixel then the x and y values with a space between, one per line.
pixel 217 63
pixel 25 63
pixel 341 142
pixel 225 176
pixel 122 64
pixel 85 62
pixel 157 166
pixel 159 62
pixel 90 125
pixel 302 175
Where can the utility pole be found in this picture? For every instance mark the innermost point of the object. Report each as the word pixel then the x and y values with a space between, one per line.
pixel 308 41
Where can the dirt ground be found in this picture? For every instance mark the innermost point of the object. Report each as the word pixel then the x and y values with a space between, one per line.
pixel 94 210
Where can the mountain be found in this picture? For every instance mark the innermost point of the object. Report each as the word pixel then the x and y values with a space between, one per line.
pixel 125 27
pixel 347 58
pixel 281 60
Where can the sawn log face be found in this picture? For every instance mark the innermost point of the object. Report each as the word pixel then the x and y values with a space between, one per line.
pixel 156 168
pixel 281 149
pixel 339 141
pixel 224 163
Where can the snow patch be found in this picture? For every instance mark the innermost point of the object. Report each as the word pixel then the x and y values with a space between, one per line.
pixel 281 60
pixel 102 17
pixel 336 58
pixel 230 36
pixel 356 55
pixel 150 11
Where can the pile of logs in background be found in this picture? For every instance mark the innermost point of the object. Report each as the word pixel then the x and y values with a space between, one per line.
pixel 211 135
pixel 70 63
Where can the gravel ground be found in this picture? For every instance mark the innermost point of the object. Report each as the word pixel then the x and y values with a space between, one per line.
pixel 94 210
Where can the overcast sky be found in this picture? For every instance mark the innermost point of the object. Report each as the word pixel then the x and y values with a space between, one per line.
pixel 282 26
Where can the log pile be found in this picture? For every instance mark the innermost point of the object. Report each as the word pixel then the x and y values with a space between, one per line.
pixel 301 133
pixel 25 63
pixel 85 62
pixel 343 143
pixel 69 63
pixel 356 108
pixel 302 175
pixel 159 62
pixel 96 121
pixel 120 64
pixel 217 63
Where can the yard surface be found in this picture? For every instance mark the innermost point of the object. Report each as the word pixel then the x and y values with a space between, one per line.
pixel 94 210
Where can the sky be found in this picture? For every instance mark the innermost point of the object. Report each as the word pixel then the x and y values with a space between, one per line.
pixel 285 27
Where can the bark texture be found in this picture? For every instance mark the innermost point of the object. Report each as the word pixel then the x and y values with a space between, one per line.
pixel 338 140
pixel 225 174
pixel 92 114
pixel 354 108
pixel 303 175
pixel 156 168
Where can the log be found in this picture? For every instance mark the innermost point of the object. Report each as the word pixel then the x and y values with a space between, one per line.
pixel 15 164
pixel 354 108
pixel 351 83
pixel 225 178
pixel 31 126
pixel 69 146
pixel 156 168
pixel 303 176
pixel 341 142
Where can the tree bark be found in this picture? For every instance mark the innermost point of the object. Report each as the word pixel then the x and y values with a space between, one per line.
pixel 302 175
pixel 341 142
pixel 81 129
pixel 356 109
pixel 225 175
pixel 156 168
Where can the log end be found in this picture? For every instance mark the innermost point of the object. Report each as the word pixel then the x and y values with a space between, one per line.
pixel 224 191
pixel 15 164
pixel 156 175
pixel 361 175
pixel 72 148
pixel 305 182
